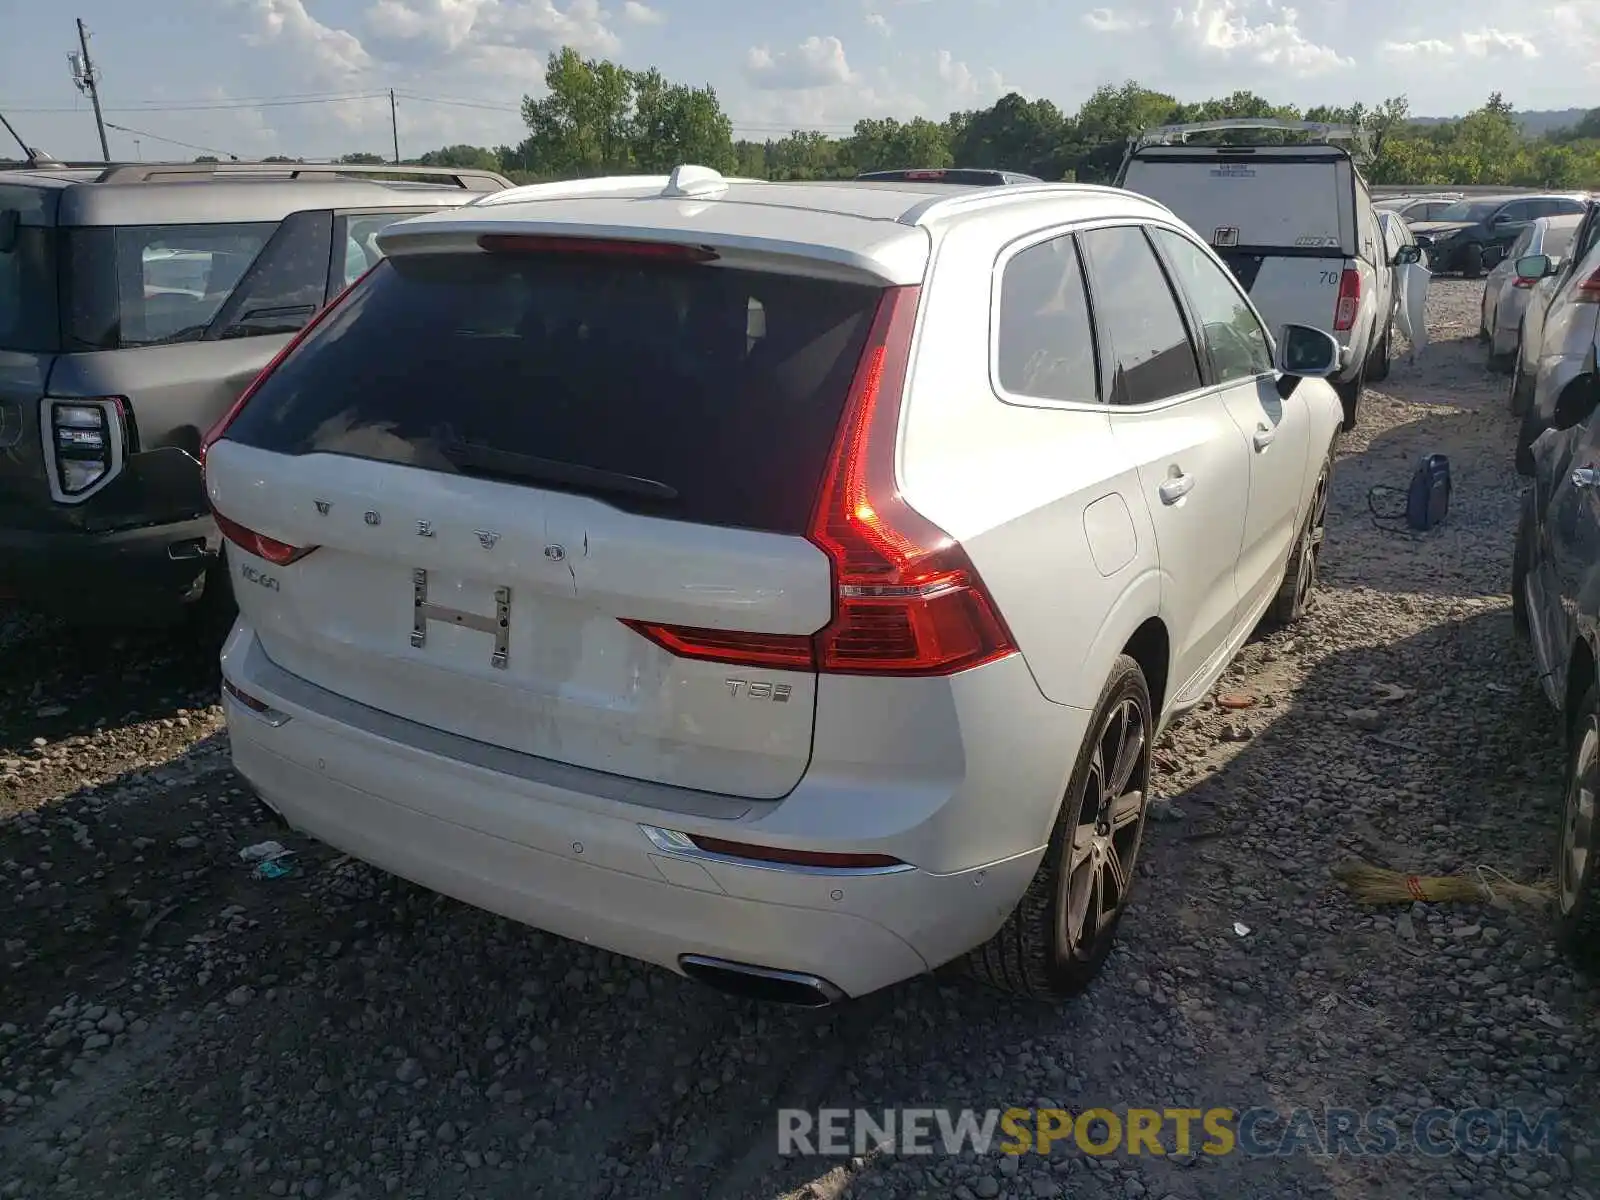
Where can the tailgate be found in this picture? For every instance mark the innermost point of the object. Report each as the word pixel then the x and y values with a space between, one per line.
pixel 520 476
pixel 1294 199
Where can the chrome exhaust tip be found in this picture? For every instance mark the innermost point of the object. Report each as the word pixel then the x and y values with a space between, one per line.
pixel 766 984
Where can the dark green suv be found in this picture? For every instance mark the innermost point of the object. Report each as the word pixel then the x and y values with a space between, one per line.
pixel 136 303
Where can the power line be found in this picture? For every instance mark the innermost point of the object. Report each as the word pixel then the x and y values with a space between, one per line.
pixel 156 137
pixel 216 106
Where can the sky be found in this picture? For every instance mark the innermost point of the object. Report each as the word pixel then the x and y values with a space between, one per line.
pixel 310 78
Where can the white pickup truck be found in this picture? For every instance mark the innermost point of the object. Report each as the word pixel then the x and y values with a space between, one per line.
pixel 1294 222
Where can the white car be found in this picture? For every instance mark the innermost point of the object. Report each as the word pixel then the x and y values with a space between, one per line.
pixel 1294 222
pixel 1506 293
pixel 778 582
pixel 1560 329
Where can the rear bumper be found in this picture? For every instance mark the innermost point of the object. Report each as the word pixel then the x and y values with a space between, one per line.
pixel 556 848
pixel 133 576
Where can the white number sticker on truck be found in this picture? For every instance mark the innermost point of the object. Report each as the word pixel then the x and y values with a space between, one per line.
pixel 1316 242
pixel 1330 278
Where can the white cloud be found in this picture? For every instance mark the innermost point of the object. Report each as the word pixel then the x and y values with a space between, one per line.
pixel 814 63
pixel 478 25
pixel 643 14
pixel 332 52
pixel 879 23
pixel 962 84
pixel 1104 20
pixel 1491 43
pixel 1480 43
pixel 1225 28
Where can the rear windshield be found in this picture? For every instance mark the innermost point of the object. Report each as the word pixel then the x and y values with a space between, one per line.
pixel 28 292
pixel 28 274
pixel 692 392
pixel 152 285
pixel 1260 202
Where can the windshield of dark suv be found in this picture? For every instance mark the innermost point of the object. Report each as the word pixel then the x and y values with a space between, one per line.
pixel 1468 210
pixel 151 285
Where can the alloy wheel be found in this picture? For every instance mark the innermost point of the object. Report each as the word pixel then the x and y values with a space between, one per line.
pixel 1574 863
pixel 1110 825
pixel 1311 546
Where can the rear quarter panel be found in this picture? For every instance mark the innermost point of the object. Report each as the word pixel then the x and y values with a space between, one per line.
pixel 1045 501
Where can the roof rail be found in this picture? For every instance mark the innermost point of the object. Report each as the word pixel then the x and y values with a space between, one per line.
pixel 466 179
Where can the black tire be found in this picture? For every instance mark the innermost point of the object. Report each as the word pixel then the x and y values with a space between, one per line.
pixel 1297 593
pixel 1528 431
pixel 1472 261
pixel 211 617
pixel 1521 394
pixel 1521 562
pixel 1577 906
pixel 1378 361
pixel 1349 393
pixel 1037 953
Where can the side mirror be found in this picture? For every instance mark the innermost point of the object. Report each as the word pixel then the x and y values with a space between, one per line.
pixel 1305 353
pixel 1502 219
pixel 10 222
pixel 1535 266
pixel 1407 256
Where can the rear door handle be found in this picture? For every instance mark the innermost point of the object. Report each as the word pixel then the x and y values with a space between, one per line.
pixel 1264 436
pixel 1176 488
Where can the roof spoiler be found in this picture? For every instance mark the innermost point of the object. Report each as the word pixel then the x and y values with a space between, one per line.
pixel 1359 148
pixel 466 179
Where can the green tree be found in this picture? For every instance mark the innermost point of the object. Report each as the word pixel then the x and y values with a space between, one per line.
pixel 805 154
pixel 673 124
pixel 584 125
pixel 478 158
pixel 1013 134
pixel 883 144
pixel 361 158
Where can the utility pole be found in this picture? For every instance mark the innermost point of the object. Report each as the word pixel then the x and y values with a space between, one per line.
pixel 84 76
pixel 394 128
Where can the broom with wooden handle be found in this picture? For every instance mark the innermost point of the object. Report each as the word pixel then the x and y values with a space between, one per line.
pixel 1368 884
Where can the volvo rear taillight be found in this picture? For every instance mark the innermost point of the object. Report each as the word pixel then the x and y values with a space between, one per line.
pixel 278 553
pixel 907 599
pixel 1344 312
pixel 1588 290
pixel 86 442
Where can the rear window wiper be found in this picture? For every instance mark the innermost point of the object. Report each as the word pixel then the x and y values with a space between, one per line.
pixel 511 465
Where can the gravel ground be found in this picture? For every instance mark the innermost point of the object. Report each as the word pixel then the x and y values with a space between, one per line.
pixel 171 1026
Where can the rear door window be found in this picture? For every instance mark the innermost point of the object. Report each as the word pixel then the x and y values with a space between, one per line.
pixel 1045 341
pixel 1152 357
pixel 694 392
pixel 152 285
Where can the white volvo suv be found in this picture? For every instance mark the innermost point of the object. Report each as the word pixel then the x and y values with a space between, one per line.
pixel 779 582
